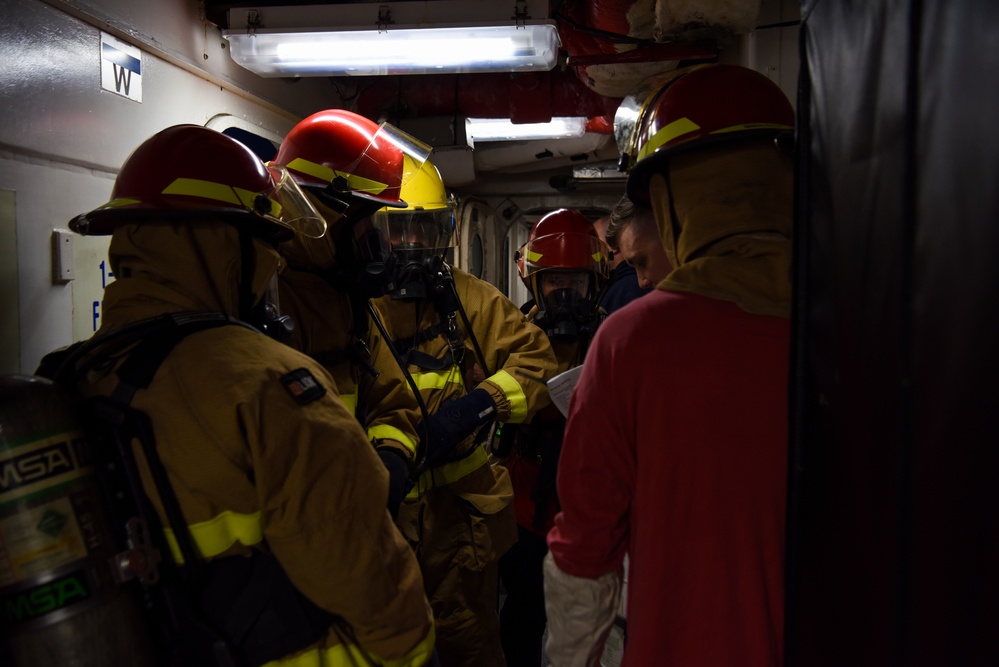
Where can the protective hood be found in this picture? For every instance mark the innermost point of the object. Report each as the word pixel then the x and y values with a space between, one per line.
pixel 311 255
pixel 175 265
pixel 733 208
pixel 316 255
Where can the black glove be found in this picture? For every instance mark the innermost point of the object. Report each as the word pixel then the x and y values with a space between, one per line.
pixel 398 470
pixel 455 420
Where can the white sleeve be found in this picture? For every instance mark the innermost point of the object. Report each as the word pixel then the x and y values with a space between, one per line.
pixel 581 612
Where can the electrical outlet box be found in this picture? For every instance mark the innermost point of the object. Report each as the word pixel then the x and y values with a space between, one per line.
pixel 62 256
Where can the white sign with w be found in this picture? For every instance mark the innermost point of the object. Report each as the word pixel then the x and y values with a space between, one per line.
pixel 121 68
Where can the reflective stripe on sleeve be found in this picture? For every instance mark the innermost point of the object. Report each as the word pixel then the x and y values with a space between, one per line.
pixel 386 432
pixel 350 655
pixel 514 394
pixel 437 379
pixel 449 472
pixel 216 535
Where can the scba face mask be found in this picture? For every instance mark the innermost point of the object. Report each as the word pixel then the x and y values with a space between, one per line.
pixel 267 315
pixel 418 239
pixel 369 265
pixel 566 309
pixel 415 273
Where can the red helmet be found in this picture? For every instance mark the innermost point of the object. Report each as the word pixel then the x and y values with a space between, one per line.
pixel 563 240
pixel 351 153
pixel 186 169
pixel 698 107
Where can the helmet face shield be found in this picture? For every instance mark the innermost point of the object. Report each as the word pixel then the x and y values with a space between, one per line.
pixel 417 230
pixel 388 140
pixel 629 115
pixel 290 207
pixel 417 241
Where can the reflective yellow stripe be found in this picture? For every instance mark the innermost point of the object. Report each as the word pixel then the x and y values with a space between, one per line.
pixel 319 171
pixel 360 184
pixel 350 400
pixel 214 536
pixel 532 256
pixel 437 379
pixel 115 203
pixel 228 194
pixel 514 393
pixel 349 655
pixel 753 126
pixel 678 127
pixel 386 432
pixel 323 173
pixel 682 126
pixel 449 472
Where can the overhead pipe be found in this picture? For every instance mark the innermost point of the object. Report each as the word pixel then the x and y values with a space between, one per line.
pixel 647 54
pixel 532 97
pixel 613 45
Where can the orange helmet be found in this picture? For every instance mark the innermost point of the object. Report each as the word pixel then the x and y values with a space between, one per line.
pixel 344 156
pixel 697 107
pixel 188 169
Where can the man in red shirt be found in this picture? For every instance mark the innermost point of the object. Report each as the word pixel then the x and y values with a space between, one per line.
pixel 675 451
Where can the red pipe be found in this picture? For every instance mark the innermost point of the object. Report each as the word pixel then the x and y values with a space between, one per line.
pixel 533 97
pixel 645 54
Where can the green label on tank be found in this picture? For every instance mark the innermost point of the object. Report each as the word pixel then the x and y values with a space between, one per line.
pixel 52 523
pixel 40 466
pixel 40 600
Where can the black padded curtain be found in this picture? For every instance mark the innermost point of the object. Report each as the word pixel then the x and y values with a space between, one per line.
pixel 893 550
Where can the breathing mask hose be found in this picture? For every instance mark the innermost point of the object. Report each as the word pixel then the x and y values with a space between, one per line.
pixel 421 457
pixel 448 299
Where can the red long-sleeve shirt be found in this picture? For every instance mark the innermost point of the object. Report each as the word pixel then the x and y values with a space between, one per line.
pixel 675 452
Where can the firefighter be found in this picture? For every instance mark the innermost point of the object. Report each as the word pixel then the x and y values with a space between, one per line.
pixel 476 360
pixel 675 451
pixel 564 265
pixel 263 460
pixel 349 167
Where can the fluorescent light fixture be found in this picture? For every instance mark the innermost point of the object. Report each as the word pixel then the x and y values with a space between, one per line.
pixel 605 173
pixel 284 42
pixel 416 51
pixel 502 129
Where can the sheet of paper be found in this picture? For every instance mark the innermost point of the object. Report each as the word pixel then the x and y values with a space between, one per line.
pixel 560 388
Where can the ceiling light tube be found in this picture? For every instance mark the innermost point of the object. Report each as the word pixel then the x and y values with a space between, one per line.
pixel 460 50
pixel 502 129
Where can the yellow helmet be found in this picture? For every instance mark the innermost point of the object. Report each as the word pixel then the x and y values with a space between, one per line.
pixel 428 221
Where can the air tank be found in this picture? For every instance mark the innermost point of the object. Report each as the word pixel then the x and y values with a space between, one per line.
pixel 61 599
